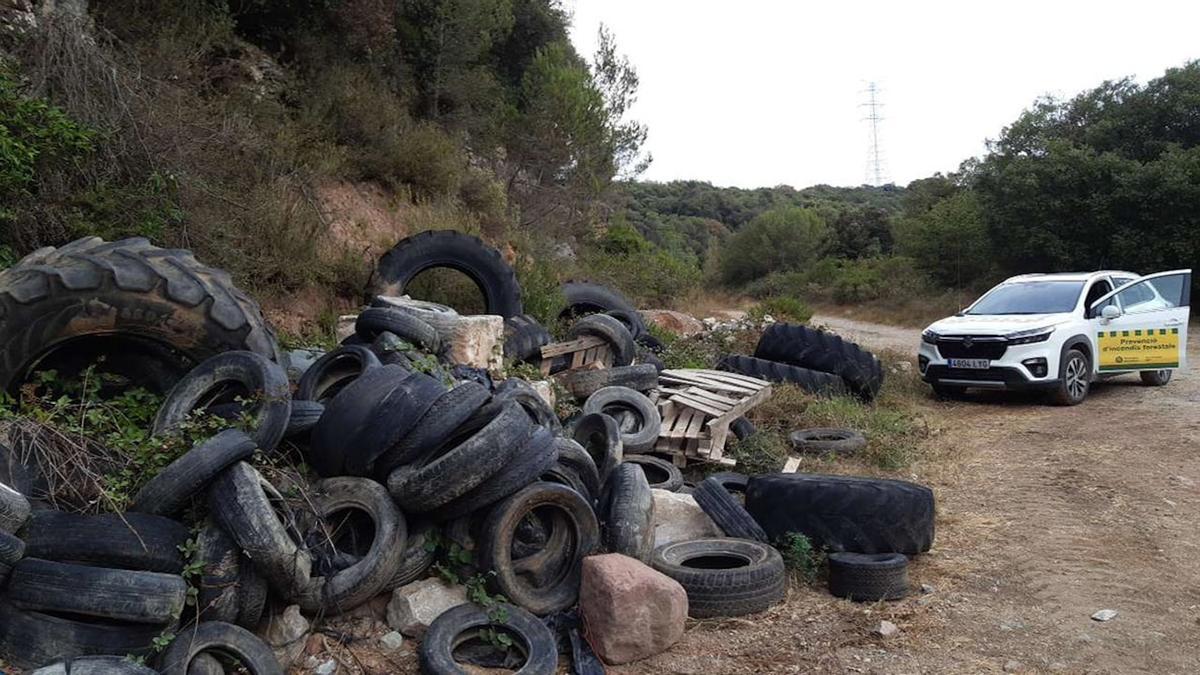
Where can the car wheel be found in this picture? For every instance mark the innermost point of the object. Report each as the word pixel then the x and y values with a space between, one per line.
pixel 1076 379
pixel 1156 378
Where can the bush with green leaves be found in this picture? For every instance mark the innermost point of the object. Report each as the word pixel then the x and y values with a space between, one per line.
pixel 781 240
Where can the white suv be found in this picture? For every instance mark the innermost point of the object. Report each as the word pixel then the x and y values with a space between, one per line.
pixel 1060 332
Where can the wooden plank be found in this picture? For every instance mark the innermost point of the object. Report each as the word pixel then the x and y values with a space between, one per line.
pixel 712 396
pixel 698 404
pixel 791 465
pixel 726 376
pixel 560 348
pixel 576 360
pixel 695 425
pixel 682 422
pixel 742 406
pixel 741 390
pixel 715 377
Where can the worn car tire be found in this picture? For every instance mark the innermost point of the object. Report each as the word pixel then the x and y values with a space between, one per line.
pixel 824 441
pixel 220 562
pixel 130 541
pixel 173 488
pixel 823 351
pixel 223 376
pixel 632 320
pixel 471 455
pixel 516 389
pixel 724 577
pixel 30 640
pixel 613 332
pixel 346 414
pixel 444 319
pixel 536 455
pixel 647 422
pixel 241 501
pixel 844 513
pixel 418 556
pixel 584 297
pixel 868 577
pixel 334 371
pixel 154 313
pixel 575 459
pixel 600 436
pixel 376 320
pixel 524 338
pixel 495 546
pixel 447 631
pixel 743 428
pixel 733 482
pixel 726 512
pixel 305 415
pixel 813 381
pixel 78 590
pixel 11 550
pixel 14 509
pixel 584 382
pixel 393 417
pixel 213 637
pixel 660 473
pixel 447 413
pixel 461 252
pixel 629 513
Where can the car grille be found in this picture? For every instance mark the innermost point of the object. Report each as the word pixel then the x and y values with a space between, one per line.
pixel 972 347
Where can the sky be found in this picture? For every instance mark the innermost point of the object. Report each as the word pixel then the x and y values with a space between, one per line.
pixel 769 92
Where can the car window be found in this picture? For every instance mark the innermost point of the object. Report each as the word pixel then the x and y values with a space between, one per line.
pixel 1121 281
pixel 1153 294
pixel 1029 297
pixel 1098 290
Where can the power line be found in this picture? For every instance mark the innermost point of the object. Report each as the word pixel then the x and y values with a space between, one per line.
pixel 876 173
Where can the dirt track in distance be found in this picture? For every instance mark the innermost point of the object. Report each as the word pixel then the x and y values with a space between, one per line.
pixel 1045 515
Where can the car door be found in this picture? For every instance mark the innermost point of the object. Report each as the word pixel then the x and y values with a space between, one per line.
pixel 1148 329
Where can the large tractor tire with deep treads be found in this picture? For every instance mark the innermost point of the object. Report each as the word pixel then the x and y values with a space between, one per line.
pixel 844 513
pixel 454 250
pixel 813 381
pixel 826 352
pixel 152 313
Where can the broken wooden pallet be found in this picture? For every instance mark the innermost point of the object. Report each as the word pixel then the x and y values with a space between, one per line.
pixel 585 352
pixel 698 406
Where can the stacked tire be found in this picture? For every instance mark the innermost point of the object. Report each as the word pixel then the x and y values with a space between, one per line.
pixel 823 352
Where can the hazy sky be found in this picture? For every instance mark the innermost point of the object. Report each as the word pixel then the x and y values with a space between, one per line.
pixel 760 92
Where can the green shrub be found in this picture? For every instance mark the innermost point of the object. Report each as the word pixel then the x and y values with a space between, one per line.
pixel 856 283
pixel 648 275
pixel 781 308
pixel 541 290
pixel 800 557
pixel 781 240
pixel 763 452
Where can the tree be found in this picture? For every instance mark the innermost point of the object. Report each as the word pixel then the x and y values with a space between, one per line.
pixel 781 240
pixel 861 233
pixel 949 240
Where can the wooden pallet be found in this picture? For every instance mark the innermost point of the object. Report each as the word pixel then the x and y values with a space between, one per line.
pixel 585 352
pixel 697 408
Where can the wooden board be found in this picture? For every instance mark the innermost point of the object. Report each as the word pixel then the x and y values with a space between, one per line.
pixel 698 406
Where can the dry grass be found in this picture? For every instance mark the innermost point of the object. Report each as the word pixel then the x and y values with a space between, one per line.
pixel 916 312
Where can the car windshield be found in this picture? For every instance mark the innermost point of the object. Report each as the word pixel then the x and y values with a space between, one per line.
pixel 1029 297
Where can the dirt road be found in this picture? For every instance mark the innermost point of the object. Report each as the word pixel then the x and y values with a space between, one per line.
pixel 1046 515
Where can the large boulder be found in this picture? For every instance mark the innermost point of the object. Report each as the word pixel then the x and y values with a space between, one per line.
pixel 286 633
pixel 678 323
pixel 414 606
pixel 677 517
pixel 629 611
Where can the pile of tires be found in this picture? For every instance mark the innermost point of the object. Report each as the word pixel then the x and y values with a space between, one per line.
pixel 816 360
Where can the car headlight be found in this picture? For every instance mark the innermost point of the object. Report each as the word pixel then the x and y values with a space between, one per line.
pixel 1027 337
pixel 929 337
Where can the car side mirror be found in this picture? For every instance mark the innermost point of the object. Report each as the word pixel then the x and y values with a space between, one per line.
pixel 1110 312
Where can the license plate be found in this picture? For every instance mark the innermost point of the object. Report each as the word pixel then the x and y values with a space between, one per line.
pixel 972 364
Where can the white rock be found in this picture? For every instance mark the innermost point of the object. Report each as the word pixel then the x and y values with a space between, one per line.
pixel 545 390
pixel 1105 615
pixel 677 517
pixel 326 668
pixel 476 341
pixel 927 589
pixel 1012 666
pixel 285 635
pixel 886 629
pixel 416 605
pixel 345 326
pixel 392 641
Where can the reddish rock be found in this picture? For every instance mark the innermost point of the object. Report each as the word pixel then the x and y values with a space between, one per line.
pixel 629 610
pixel 678 323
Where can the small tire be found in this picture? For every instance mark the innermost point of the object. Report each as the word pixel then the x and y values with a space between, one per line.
pixel 599 435
pixel 129 541
pixel 828 441
pixel 1075 379
pixel 725 577
pixel 78 590
pixel 418 556
pixel 11 551
pixel 334 371
pixel 524 338
pixel 726 512
pixel 612 331
pixel 536 455
pixel 213 637
pixel 376 320
pixel 14 509
pixel 868 577
pixel 173 488
pixel 29 640
pixel 743 428
pixel 446 633
pixel 660 474
pixel 573 458
pixel 1155 378
pixel 584 382
pixel 444 319
pixel 220 562
pixel 448 412
pixel 305 415
pixel 585 297
pixel 539 410
pixel 632 320
pixel 629 513
pixel 242 373
pixel 647 422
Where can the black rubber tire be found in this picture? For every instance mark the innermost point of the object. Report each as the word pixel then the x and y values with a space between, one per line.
pixel 1155 378
pixel 726 512
pixel 418 556
pixel 174 487
pixel 575 460
pixel 516 389
pixel 584 297
pixel 438 645
pixel 305 415
pixel 733 482
pixel 743 428
pixel 844 513
pixel 660 474
pixel 495 546
pixel 376 320
pixel 444 319
pixel 449 412
pixel 100 665
pixel 262 380
pixel 868 577
pixel 825 441
pixel 117 595
pixel 461 252
pixel 629 513
pixel 825 352
pixel 651 343
pixel 751 577
pixel 613 332
pixel 220 563
pixel 584 382
pixel 251 596
pixel 647 420
pixel 812 381
pixel 392 418
pixel 172 311
pixel 524 338
pixel 11 550
pixel 600 436
pixel 14 509
pixel 130 541
pixel 650 358
pixel 1062 395
pixel 213 637
pixel 30 640
pixel 352 586
pixel 632 320
pixel 536 455
pixel 241 501
pixel 392 351
pixel 334 371
pixel 465 459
